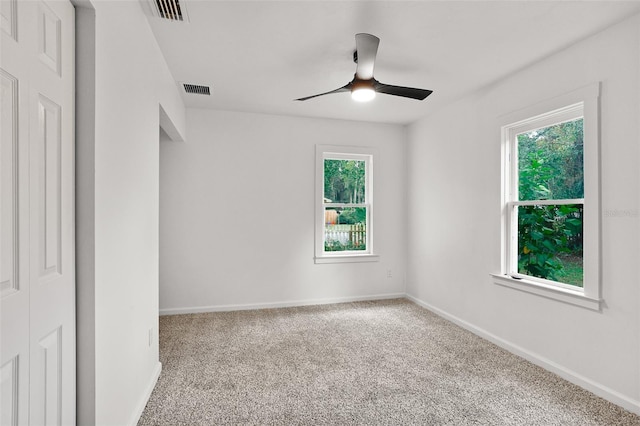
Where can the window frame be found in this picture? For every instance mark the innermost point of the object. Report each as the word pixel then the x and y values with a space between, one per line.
pixel 582 103
pixel 333 152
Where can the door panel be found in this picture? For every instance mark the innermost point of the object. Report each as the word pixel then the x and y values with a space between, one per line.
pixel 9 391
pixel 49 37
pixel 37 270
pixel 8 17
pixel 47 365
pixel 9 274
pixel 47 161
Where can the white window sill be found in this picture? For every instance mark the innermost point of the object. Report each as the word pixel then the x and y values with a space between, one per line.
pixel 347 258
pixel 574 297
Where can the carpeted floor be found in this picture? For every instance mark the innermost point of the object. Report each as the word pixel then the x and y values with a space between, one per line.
pixel 368 363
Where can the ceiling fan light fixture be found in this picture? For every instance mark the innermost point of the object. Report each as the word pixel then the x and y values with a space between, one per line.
pixel 362 90
pixel 363 94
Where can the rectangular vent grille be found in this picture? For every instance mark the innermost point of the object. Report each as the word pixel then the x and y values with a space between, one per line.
pixel 170 9
pixel 198 90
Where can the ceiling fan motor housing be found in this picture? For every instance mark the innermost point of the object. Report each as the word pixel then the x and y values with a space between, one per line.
pixel 358 83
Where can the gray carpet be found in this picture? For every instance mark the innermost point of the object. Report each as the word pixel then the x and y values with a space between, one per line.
pixel 368 363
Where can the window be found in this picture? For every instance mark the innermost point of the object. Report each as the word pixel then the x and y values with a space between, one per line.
pixel 344 204
pixel 551 200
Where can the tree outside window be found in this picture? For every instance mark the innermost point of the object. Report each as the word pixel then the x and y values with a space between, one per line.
pixel 550 167
pixel 345 207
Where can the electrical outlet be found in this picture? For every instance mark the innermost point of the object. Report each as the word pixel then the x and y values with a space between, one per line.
pixel 389 274
pixel 150 336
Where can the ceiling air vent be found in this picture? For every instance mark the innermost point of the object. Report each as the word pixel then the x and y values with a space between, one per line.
pixel 196 89
pixel 173 10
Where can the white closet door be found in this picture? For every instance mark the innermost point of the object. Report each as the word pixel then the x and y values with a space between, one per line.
pixel 37 272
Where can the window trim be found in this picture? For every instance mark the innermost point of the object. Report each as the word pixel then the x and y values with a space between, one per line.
pixel 344 153
pixel 585 103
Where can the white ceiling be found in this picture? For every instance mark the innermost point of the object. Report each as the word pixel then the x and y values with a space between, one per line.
pixel 259 56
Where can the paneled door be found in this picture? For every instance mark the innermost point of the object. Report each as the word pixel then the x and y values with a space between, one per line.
pixel 37 269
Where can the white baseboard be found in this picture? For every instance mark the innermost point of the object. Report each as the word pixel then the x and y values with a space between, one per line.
pixel 567 374
pixel 146 395
pixel 271 305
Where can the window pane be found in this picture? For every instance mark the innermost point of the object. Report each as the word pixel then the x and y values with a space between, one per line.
pixel 550 242
pixel 550 162
pixel 345 229
pixel 344 181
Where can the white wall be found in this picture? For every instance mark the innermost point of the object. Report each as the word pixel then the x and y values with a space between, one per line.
pixel 454 213
pixel 117 211
pixel 237 213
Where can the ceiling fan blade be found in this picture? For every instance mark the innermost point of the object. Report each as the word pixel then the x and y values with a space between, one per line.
pixel 405 92
pixel 366 48
pixel 345 88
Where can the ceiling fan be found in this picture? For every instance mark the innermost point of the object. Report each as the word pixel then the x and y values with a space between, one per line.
pixel 364 87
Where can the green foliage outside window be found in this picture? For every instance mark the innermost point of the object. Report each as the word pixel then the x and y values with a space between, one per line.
pixel 344 181
pixel 335 245
pixel 551 162
pixel 345 226
pixel 550 241
pixel 550 167
pixel 352 215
